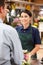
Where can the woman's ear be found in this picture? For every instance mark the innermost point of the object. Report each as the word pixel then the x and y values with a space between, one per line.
pixel 1 9
pixel 30 18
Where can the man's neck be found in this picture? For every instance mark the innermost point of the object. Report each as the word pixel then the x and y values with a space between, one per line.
pixel 1 18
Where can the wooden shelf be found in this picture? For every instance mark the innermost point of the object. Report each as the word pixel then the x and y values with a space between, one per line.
pixel 24 2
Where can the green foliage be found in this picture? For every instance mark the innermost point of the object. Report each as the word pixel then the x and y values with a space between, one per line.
pixel 14 24
pixel 26 63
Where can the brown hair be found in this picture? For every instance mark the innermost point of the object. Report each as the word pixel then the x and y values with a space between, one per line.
pixel 27 11
pixel 2 3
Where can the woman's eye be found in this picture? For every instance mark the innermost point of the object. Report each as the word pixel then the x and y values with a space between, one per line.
pixel 25 16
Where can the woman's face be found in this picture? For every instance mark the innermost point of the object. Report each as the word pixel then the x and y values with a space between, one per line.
pixel 25 19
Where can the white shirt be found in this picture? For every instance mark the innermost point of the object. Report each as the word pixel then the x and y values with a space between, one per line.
pixel 10 45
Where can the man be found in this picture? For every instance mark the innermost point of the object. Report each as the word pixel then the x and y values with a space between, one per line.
pixel 10 46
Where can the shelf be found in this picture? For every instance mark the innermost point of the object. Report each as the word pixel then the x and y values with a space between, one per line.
pixel 23 2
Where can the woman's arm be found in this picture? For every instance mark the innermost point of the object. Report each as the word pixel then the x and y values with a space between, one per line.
pixel 37 47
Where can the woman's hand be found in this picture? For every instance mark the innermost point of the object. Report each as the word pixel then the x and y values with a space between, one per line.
pixel 27 56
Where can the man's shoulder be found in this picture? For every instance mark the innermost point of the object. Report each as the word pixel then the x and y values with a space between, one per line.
pixel 7 28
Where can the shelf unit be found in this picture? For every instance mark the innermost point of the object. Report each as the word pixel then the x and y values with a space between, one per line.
pixel 23 2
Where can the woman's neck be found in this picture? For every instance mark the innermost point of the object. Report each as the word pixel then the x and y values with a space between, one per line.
pixel 26 26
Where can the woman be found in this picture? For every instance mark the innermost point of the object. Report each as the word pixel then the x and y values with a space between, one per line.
pixel 29 35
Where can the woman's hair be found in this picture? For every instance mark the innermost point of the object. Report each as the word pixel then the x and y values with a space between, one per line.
pixel 27 11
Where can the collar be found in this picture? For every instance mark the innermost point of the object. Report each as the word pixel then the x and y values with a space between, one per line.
pixel 1 21
pixel 26 28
